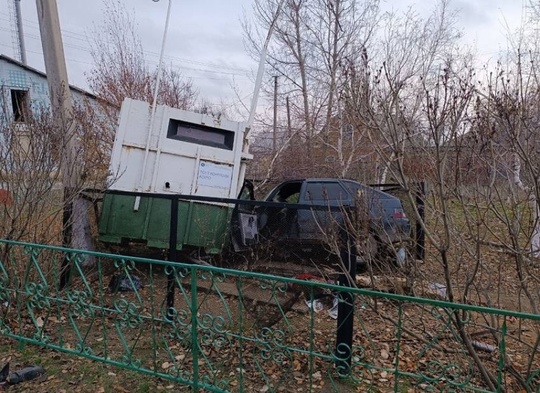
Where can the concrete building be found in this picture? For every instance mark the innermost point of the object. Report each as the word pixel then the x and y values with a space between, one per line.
pixel 24 97
pixel 24 89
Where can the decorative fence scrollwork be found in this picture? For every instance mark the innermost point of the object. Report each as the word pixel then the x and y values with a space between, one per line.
pixel 240 331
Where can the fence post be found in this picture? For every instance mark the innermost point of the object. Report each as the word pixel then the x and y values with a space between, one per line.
pixel 173 235
pixel 194 329
pixel 345 320
pixel 67 231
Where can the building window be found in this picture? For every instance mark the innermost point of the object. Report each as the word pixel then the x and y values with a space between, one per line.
pixel 19 104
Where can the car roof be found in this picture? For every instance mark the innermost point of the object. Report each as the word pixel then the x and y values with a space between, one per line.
pixel 335 179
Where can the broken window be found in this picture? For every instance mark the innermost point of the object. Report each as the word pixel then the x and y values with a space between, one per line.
pixel 19 104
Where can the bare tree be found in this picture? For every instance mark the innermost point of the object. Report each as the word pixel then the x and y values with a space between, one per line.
pixel 414 97
pixel 474 142
pixel 30 154
pixel 312 43
pixel 387 88
pixel 121 69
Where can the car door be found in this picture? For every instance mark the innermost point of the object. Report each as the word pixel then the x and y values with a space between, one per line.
pixel 244 228
pixel 280 222
pixel 327 199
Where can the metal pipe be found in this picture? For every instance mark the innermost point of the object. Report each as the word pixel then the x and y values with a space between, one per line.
pixel 154 103
pixel 260 72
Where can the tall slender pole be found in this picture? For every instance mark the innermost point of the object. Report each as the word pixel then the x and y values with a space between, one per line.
pixel 275 114
pixel 55 66
pixel 260 73
pixel 62 110
pixel 20 32
pixel 154 104
pixel 289 130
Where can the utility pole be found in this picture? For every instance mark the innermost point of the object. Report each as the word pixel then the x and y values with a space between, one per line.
pixel 275 114
pixel 20 33
pixel 62 110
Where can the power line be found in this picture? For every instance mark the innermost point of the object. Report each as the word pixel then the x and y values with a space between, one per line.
pixel 176 65
pixel 84 38
pixel 73 40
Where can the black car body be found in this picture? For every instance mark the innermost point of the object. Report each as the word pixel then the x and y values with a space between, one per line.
pixel 311 211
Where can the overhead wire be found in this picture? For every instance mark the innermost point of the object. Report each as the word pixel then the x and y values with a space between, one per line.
pixel 73 40
pixel 241 72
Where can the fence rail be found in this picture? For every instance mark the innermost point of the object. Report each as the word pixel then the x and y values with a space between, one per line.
pixel 242 331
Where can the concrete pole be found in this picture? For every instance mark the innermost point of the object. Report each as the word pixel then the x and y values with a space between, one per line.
pixel 62 110
pixel 22 48
pixel 62 107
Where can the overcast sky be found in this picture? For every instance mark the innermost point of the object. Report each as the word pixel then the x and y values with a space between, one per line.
pixel 205 36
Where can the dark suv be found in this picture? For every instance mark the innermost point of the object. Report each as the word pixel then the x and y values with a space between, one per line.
pixel 313 209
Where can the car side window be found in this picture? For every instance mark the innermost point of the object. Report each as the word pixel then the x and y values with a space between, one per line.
pixel 327 191
pixel 366 198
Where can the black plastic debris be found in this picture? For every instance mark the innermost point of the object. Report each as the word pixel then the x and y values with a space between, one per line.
pixel 26 374
pixel 4 373
pixel 124 283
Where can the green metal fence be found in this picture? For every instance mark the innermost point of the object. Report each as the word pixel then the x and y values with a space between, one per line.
pixel 244 332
